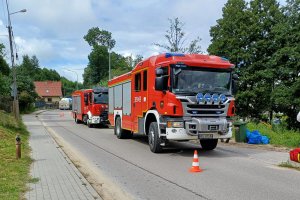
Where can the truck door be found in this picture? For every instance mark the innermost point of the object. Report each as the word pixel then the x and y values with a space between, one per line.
pixel 139 97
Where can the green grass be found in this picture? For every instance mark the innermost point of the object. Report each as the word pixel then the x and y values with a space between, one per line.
pixel 14 174
pixel 278 136
pixel 289 165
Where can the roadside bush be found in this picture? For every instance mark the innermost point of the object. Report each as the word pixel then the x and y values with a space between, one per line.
pixel 279 135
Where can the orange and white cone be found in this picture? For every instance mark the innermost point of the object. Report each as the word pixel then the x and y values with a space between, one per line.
pixel 195 166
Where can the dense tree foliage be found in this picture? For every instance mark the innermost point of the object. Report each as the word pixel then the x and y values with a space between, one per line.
pixel 68 87
pixel 97 70
pixel 96 37
pixel 176 39
pixel 262 40
pixel 30 67
pixel 4 73
pixel 4 68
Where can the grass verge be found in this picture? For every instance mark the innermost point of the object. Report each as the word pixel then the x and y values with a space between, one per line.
pixel 14 174
pixel 289 165
pixel 281 137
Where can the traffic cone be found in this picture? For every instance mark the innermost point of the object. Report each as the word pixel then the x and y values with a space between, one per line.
pixel 195 166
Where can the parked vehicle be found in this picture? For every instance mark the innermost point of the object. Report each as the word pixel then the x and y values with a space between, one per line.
pixel 65 104
pixel 175 97
pixel 90 106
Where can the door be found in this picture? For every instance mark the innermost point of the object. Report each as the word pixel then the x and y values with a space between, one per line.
pixel 136 100
pixel 139 104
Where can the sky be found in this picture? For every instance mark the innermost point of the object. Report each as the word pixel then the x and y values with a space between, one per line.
pixel 53 30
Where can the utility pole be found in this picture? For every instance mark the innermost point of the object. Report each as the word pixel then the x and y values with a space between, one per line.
pixel 109 73
pixel 14 88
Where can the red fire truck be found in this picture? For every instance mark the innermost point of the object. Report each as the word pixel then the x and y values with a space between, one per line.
pixel 175 97
pixel 90 106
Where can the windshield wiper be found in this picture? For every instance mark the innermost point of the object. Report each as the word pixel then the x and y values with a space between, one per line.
pixel 186 92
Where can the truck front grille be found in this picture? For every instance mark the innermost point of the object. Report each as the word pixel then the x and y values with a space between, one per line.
pixel 207 110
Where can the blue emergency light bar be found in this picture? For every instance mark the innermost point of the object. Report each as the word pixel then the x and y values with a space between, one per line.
pixel 168 55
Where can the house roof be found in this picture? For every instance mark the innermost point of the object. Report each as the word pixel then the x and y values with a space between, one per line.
pixel 48 88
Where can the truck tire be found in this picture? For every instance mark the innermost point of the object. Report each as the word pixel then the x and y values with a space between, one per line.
pixel 209 144
pixel 119 132
pixel 153 138
pixel 89 125
pixel 84 119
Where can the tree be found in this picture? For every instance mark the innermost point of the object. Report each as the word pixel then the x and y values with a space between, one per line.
pixel 4 68
pixel 68 87
pixel 26 91
pixel 97 37
pixel 261 73
pixel 4 74
pixel 5 85
pixel 230 35
pixel 97 70
pixel 30 66
pixel 286 93
pixel 176 39
pixel 245 35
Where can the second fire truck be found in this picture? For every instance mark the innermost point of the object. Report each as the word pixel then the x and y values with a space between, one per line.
pixel 175 97
pixel 90 106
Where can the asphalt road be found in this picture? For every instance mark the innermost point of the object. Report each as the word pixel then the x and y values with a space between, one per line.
pixel 229 172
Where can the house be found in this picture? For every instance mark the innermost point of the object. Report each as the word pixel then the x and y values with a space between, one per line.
pixel 49 91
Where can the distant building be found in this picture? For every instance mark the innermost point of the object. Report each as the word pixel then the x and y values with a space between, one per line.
pixel 49 91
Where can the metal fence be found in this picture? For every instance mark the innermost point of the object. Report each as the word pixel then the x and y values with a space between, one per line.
pixel 6 104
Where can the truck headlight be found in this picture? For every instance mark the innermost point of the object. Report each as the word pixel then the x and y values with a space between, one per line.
pixel 175 124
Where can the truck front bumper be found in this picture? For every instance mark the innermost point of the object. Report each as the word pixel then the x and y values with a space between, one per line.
pixel 94 120
pixel 201 128
pixel 97 120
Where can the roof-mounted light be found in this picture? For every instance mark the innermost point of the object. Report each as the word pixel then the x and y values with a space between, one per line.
pixel 168 55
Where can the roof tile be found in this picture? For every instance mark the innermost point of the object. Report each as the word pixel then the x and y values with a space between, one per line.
pixel 48 88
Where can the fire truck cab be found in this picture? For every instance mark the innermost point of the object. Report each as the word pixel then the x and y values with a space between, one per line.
pixel 90 106
pixel 175 97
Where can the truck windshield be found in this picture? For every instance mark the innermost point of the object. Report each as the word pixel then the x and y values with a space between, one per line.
pixel 100 98
pixel 192 80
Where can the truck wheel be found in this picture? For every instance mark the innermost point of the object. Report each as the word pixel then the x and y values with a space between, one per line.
pixel 84 119
pixel 153 138
pixel 90 125
pixel 118 129
pixel 209 144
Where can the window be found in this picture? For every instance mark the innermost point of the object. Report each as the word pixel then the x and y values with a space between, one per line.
pixel 49 99
pixel 145 81
pixel 137 82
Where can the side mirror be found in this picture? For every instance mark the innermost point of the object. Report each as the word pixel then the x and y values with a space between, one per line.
pixel 161 80
pixel 161 83
pixel 159 72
